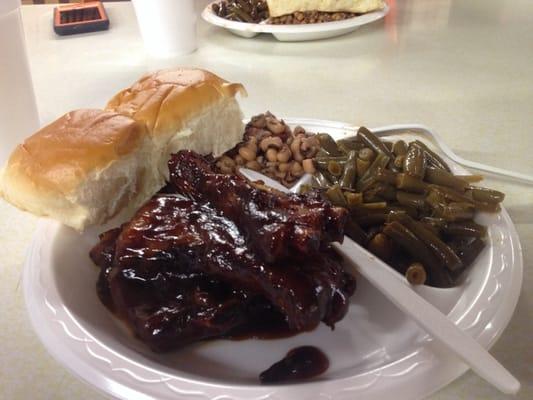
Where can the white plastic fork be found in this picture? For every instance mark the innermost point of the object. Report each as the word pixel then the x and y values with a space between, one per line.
pixel 390 284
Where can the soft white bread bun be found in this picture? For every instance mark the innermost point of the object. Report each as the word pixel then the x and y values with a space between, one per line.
pixel 90 165
pixel 184 109
pixel 278 8
pixel 81 169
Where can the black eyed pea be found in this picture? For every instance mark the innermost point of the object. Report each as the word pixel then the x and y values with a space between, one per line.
pixel 295 149
pixel 259 121
pixel 254 165
pixel 226 165
pixel 298 130
pixel 271 141
pixel 281 175
pixel 272 155
pixel 248 151
pixel 284 167
pixel 239 160
pixel 296 169
pixel 284 155
pixel 275 126
pixel 308 166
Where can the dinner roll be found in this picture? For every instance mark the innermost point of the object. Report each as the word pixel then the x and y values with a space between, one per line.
pixel 89 165
pixel 184 109
pixel 82 169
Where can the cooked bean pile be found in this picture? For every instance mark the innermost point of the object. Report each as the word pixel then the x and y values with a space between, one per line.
pixel 406 205
pixel 271 147
pixel 310 17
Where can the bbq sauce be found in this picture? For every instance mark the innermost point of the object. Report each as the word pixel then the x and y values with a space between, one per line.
pixel 300 363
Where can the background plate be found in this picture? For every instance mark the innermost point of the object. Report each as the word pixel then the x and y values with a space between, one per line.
pixel 373 351
pixel 294 33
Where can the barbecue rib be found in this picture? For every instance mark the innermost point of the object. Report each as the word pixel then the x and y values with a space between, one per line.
pixel 182 270
pixel 276 224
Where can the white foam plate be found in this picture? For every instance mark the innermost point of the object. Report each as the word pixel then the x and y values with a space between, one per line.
pixel 293 33
pixel 374 351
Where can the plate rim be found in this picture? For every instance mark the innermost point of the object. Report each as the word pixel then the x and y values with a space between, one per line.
pixel 504 312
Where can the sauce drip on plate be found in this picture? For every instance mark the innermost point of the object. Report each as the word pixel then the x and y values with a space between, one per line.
pixel 300 363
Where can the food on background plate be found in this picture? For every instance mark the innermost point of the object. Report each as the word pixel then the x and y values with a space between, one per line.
pixel 252 11
pixel 293 12
pixel 89 165
pixel 192 265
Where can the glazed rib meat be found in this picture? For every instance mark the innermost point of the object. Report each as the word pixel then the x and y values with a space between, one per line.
pixel 277 225
pixel 180 270
pixel 190 269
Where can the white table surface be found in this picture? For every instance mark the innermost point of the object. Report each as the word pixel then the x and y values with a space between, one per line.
pixel 463 68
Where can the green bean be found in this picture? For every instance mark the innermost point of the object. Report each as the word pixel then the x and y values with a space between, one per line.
pixel 244 6
pixel 470 252
pixel 410 199
pixel 335 195
pixel 387 176
pixel 465 229
pixel 241 14
pixel 435 199
pixel 371 219
pixel 369 176
pixel 387 192
pixel 450 194
pixel 335 168
pixel 323 164
pixel 361 166
pixel 471 178
pixel 304 189
pixel 398 161
pixel 436 224
pixel 333 179
pixel 414 163
pixel 322 180
pixel 381 246
pixel 325 159
pixel 441 250
pixel 433 158
pixel 366 154
pixel 419 251
pixel 327 143
pixel 444 178
pixel 355 232
pixel 487 195
pixel 353 199
pixel 399 148
pixel 349 175
pixel 410 183
pixel 378 205
pixel 373 142
pixel 487 207
pixel 349 144
pixel 455 211
pixel 416 274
